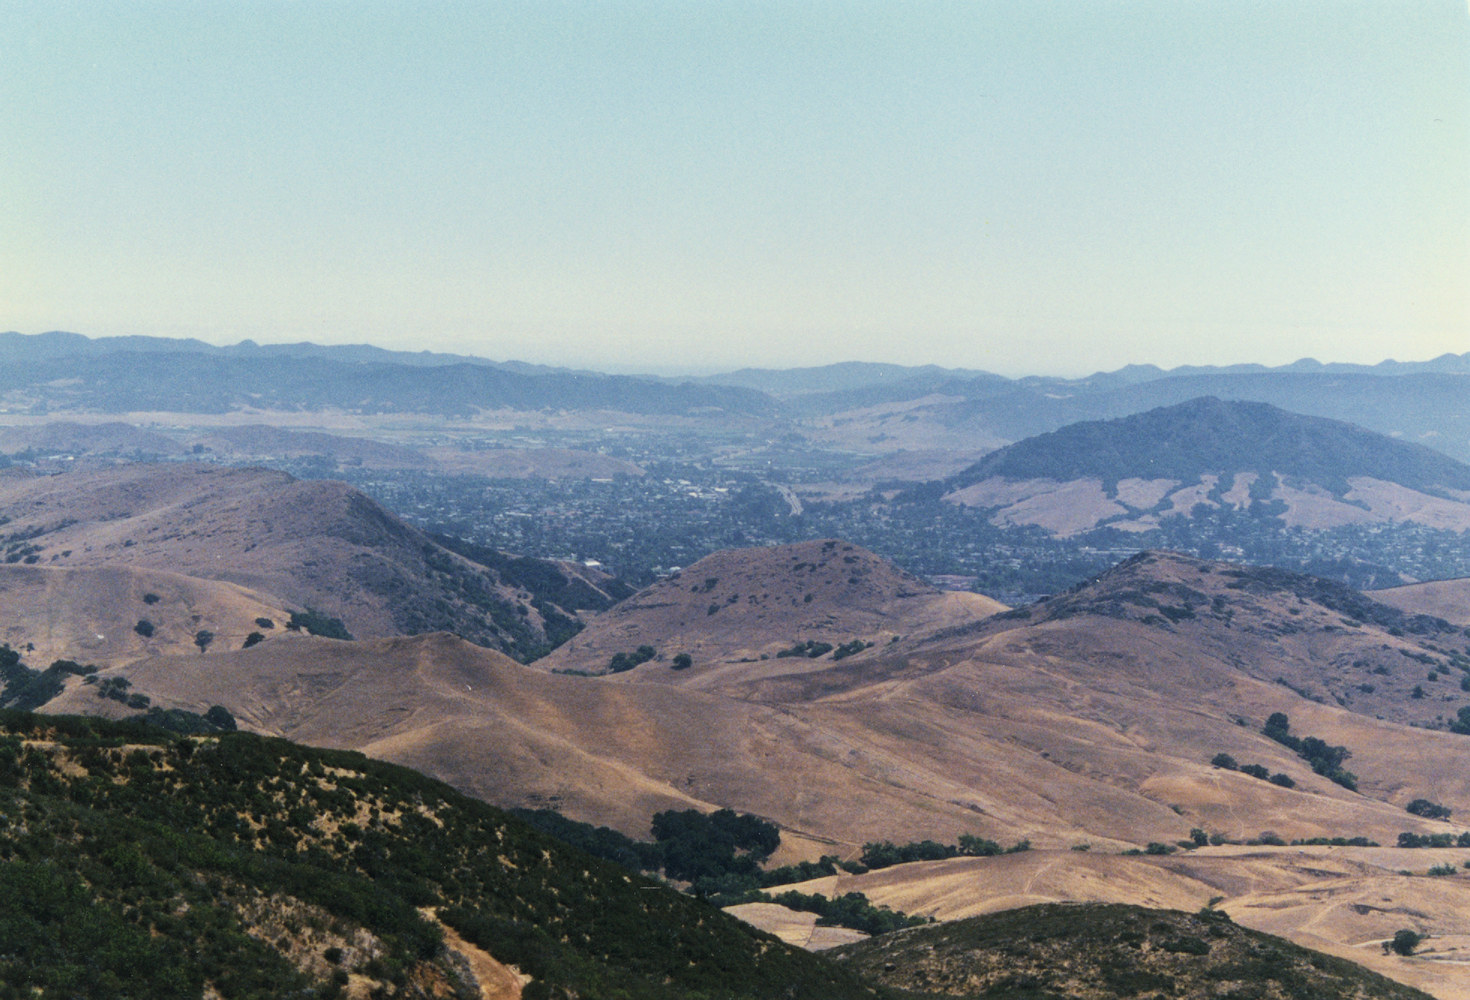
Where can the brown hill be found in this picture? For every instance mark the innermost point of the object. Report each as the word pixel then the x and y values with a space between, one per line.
pixel 1090 719
pixel 100 616
pixel 735 612
pixel 1326 642
pixel 1449 599
pixel 256 442
pixel 71 438
pixel 315 544
pixel 1081 725
pixel 615 753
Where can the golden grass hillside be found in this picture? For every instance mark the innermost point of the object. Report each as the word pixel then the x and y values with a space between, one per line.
pixel 732 613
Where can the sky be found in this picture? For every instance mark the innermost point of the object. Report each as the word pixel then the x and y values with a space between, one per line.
pixel 1021 186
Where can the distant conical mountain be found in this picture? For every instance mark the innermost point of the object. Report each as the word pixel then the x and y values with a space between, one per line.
pixel 1134 470
pixel 1212 436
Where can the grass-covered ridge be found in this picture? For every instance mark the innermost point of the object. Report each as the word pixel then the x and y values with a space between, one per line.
pixel 1103 951
pixel 139 863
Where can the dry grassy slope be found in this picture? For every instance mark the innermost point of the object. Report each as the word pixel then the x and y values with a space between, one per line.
pixel 91 615
pixel 601 751
pixel 71 438
pixel 304 543
pixel 1448 599
pixel 256 441
pixel 513 735
pixel 1073 728
pixel 1083 722
pixel 1072 506
pixel 1343 901
pixel 742 604
pixel 1162 611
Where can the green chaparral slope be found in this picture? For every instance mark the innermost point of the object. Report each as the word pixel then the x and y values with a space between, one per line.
pixel 138 863
pixel 1096 951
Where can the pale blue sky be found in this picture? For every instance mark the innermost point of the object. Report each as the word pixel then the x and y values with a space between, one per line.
pixel 1018 186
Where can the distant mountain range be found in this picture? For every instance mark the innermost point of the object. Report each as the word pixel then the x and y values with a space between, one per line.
pixel 121 375
pixel 886 407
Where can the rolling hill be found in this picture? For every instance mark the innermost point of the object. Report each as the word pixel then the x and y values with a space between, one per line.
pixel 1443 598
pixel 736 612
pixel 1092 717
pixel 1128 712
pixel 317 545
pixel 115 614
pixel 1134 471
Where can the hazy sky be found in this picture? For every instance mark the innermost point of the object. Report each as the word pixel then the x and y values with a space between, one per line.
pixel 1016 186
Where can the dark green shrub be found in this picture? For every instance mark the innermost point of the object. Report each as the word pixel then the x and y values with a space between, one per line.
pixel 1404 942
pixel 1427 809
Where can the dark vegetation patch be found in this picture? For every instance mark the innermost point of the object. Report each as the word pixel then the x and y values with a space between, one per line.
pixel 719 855
pixel 810 648
pixel 136 862
pixel 1325 758
pixel 621 662
pixel 316 623
pixel 24 688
